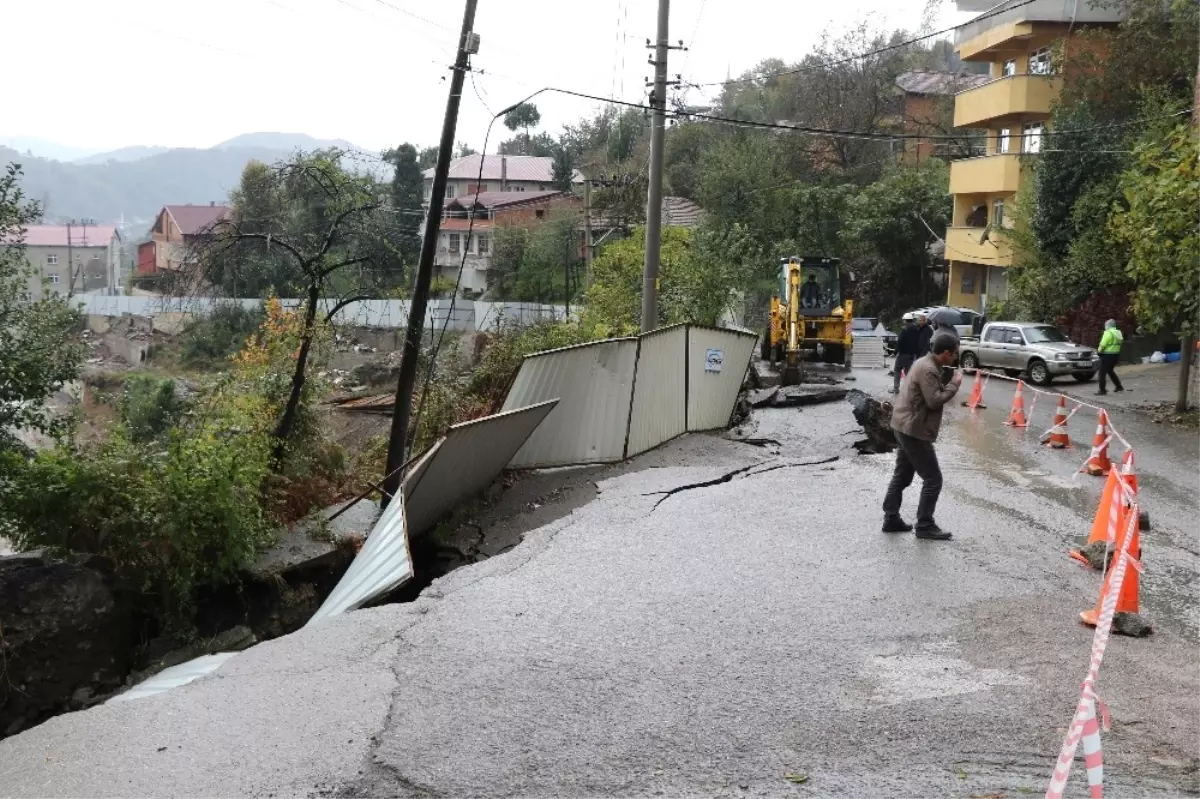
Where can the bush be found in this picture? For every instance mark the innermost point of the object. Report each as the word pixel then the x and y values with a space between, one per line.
pixel 214 338
pixel 170 520
pixel 149 407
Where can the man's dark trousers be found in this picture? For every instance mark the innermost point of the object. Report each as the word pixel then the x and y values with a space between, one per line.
pixel 914 456
pixel 903 364
pixel 1108 368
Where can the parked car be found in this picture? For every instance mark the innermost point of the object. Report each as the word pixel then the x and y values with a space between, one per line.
pixel 868 327
pixel 1042 351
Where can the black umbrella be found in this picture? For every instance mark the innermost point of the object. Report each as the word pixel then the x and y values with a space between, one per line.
pixel 946 316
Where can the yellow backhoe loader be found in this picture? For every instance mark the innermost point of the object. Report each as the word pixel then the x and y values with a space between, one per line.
pixel 809 319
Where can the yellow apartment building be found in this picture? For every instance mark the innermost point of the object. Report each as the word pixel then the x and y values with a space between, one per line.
pixel 1023 44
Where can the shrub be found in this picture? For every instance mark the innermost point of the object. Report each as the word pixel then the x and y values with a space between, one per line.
pixel 149 407
pixel 214 338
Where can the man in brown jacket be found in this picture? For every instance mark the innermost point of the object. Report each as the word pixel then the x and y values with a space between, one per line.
pixel 916 419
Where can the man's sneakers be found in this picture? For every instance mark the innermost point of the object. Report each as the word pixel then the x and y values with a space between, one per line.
pixel 933 533
pixel 894 524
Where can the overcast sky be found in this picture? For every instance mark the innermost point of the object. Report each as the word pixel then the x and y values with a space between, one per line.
pixel 185 73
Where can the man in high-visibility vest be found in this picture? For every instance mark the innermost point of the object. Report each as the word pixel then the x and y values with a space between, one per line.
pixel 1110 353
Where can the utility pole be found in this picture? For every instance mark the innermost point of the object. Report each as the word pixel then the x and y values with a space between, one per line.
pixel 468 43
pixel 658 123
pixel 1188 340
pixel 70 263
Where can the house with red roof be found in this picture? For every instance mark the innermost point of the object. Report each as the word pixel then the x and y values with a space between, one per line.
pixel 468 246
pixel 72 259
pixel 176 232
pixel 500 174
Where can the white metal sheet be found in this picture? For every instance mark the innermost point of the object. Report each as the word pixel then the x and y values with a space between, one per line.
pixel 659 390
pixel 594 385
pixel 175 676
pixel 716 367
pixel 382 564
pixel 466 462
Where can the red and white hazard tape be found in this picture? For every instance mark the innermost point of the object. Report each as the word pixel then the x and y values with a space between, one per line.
pixel 1083 722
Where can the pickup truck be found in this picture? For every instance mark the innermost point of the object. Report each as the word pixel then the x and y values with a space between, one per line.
pixel 1040 350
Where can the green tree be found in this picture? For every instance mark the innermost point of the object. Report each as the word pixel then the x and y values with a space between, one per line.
pixel 332 237
pixel 564 169
pixel 408 193
pixel 541 144
pixel 39 351
pixel 524 116
pixel 509 243
pixel 1162 191
pixel 888 232
pixel 427 158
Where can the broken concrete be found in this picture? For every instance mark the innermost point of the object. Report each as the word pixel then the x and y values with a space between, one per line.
pixel 876 420
pixel 801 395
pixel 1131 624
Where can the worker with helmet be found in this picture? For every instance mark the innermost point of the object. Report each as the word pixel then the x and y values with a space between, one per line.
pixel 907 346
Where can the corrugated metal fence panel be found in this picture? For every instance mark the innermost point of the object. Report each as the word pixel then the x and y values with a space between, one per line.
pixel 659 390
pixel 594 384
pixel 382 564
pixel 713 388
pixel 464 314
pixel 175 676
pixel 470 457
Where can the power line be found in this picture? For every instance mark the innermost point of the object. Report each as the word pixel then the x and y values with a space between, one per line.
pixel 868 54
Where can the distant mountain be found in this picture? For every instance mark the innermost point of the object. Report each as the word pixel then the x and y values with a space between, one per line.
pixel 134 153
pixel 284 141
pixel 45 149
pixel 110 186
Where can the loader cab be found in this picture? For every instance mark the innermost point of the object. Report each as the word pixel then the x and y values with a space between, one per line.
pixel 819 287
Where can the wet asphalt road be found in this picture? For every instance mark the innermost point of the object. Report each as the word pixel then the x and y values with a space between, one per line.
pixel 714 645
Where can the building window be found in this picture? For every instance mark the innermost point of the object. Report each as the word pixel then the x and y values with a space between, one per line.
pixel 482 188
pixel 539 213
pixel 997 213
pixel 482 243
pixel 51 260
pixel 27 296
pixel 1002 140
pixel 1040 62
pixel 449 191
pixel 54 279
pixel 967 286
pixel 1009 69
pixel 518 188
pixel 452 242
pixel 1032 137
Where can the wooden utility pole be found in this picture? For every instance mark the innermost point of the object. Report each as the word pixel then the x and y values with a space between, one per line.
pixel 468 43
pixel 1187 349
pixel 658 124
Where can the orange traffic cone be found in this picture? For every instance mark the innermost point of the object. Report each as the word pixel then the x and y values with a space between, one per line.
pixel 1129 476
pixel 1058 432
pixel 976 400
pixel 1127 600
pixel 1110 516
pixel 1099 464
pixel 1016 416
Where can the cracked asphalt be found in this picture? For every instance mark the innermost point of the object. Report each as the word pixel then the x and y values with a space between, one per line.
pixel 757 636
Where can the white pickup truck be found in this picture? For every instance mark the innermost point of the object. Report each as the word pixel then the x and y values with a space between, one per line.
pixel 1042 351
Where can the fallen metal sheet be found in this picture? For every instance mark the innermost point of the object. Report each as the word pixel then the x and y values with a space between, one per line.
pixel 716 368
pixel 659 410
pixel 382 564
pixel 465 462
pixel 594 386
pixel 175 676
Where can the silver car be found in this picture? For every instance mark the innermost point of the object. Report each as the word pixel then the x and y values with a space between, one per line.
pixel 1040 350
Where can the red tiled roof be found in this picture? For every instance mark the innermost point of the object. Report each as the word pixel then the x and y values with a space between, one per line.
pixel 193 219
pixel 523 168
pixel 81 236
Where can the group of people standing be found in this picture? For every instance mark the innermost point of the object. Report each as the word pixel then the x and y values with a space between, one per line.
pixel 915 341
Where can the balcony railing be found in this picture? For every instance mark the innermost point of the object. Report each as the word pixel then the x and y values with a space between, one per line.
pixel 964 244
pixel 986 174
pixel 1026 95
